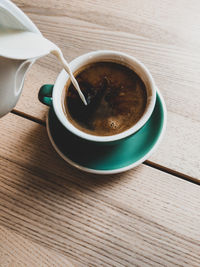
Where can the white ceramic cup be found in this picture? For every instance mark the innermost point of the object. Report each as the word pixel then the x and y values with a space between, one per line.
pixel 54 98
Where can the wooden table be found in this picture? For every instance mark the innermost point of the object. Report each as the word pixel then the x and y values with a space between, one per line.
pixel 54 215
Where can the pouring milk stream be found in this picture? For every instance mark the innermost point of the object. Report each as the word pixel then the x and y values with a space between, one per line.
pixel 24 45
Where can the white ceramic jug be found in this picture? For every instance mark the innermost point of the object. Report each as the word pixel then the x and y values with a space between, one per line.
pixel 12 72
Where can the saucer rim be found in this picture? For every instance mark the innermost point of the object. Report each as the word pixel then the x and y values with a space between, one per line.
pixel 118 170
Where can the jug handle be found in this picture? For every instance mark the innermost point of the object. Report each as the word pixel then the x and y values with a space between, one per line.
pixel 20 75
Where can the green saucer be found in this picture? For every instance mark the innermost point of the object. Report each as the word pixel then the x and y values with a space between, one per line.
pixel 107 159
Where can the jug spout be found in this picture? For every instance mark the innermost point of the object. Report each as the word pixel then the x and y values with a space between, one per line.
pixel 12 74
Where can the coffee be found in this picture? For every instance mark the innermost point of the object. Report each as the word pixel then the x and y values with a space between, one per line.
pixel 116 98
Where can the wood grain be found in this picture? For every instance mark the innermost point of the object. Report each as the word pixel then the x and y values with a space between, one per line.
pixel 143 217
pixel 54 215
pixel 16 251
pixel 162 34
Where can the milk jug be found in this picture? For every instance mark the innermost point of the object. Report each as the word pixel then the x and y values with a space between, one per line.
pixel 12 72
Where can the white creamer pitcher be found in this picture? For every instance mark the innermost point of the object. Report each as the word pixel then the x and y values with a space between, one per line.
pixel 21 44
pixel 12 72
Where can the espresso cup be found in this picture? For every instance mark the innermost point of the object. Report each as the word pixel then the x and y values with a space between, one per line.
pixel 51 95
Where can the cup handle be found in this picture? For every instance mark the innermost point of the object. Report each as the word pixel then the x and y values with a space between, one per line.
pixel 45 94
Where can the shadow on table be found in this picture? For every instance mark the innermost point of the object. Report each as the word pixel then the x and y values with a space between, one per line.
pixel 60 206
pixel 43 160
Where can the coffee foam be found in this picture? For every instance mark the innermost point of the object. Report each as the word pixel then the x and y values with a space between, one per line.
pixel 117 99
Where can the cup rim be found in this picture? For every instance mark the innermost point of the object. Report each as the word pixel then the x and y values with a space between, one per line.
pixel 75 64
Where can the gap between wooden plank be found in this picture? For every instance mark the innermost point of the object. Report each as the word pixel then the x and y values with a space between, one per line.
pixel 147 162
pixel 172 172
pixel 29 117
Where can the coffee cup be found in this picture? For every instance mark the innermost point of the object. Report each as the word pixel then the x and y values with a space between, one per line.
pixel 52 95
